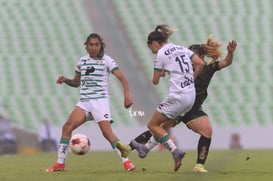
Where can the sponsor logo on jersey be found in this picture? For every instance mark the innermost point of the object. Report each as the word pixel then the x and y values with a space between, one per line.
pixel 171 50
pixel 89 70
pixel 188 81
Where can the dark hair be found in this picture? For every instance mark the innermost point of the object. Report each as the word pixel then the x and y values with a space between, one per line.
pixel 156 36
pixel 199 48
pixel 95 35
pixel 160 34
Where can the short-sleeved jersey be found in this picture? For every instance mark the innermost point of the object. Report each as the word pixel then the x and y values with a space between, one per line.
pixel 95 76
pixel 176 60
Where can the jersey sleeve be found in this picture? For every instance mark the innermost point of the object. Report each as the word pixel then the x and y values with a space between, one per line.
pixel 158 63
pixel 191 54
pixel 78 67
pixel 111 64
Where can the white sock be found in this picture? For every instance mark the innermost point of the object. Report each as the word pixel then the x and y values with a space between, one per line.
pixel 151 143
pixel 119 155
pixel 169 144
pixel 62 153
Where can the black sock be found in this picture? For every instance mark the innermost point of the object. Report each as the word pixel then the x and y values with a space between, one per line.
pixel 203 149
pixel 142 138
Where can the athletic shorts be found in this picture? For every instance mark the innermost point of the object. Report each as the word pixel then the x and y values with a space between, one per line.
pixel 175 105
pixel 96 109
pixel 191 115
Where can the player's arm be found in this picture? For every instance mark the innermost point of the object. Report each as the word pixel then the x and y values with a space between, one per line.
pixel 198 65
pixel 75 82
pixel 228 60
pixel 125 86
pixel 157 75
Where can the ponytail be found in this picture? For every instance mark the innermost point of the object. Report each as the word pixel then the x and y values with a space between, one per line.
pixel 161 34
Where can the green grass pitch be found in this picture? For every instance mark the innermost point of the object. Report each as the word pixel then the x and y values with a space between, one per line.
pixel 223 165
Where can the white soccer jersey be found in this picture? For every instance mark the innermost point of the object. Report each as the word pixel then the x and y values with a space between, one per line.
pixel 95 76
pixel 176 60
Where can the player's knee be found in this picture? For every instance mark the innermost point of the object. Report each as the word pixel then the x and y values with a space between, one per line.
pixel 202 130
pixel 206 131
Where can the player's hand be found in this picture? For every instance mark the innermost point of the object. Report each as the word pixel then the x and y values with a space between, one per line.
pixel 127 102
pixel 61 79
pixel 231 46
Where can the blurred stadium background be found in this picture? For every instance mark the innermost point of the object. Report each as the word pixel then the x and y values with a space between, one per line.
pixel 40 40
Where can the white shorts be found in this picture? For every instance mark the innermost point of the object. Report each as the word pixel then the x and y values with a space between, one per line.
pixel 97 109
pixel 176 104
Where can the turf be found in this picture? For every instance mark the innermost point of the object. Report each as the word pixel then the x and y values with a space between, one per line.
pixel 223 165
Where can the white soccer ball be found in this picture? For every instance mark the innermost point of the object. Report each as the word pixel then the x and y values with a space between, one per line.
pixel 79 144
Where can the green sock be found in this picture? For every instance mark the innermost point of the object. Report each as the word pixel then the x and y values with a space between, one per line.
pixel 162 139
pixel 64 141
pixel 114 143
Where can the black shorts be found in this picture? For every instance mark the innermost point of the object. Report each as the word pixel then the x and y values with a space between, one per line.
pixel 191 115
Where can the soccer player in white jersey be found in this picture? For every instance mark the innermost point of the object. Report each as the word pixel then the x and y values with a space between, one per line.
pixel 196 119
pixel 177 61
pixel 92 76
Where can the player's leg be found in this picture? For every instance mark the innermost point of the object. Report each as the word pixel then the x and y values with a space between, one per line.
pixel 75 119
pixel 203 127
pixel 142 138
pixel 162 136
pixel 102 115
pixel 146 142
pixel 120 149
pixel 139 144
pixel 143 149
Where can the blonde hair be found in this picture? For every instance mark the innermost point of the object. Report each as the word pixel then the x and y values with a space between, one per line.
pixel 212 48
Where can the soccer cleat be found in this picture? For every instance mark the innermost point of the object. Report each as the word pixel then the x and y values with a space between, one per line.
pixel 124 149
pixel 199 168
pixel 56 167
pixel 129 166
pixel 177 156
pixel 141 149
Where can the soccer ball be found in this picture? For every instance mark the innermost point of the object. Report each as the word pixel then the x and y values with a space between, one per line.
pixel 79 144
